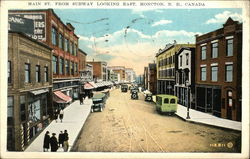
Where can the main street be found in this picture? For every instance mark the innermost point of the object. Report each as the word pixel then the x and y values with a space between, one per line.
pixel 128 125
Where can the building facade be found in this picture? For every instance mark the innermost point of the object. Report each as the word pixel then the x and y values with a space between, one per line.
pixel 185 76
pixel 219 71
pixel 129 75
pixel 49 29
pixel 145 78
pixel 120 70
pixel 152 80
pixel 166 68
pixel 29 90
pixel 100 72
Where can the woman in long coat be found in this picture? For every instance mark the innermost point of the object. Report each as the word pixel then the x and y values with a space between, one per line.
pixel 46 141
pixel 53 143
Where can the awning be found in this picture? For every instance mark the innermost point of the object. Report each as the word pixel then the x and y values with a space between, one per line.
pixel 61 97
pixel 40 91
pixel 93 84
pixel 88 86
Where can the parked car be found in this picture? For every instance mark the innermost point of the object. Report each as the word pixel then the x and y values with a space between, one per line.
pixel 148 96
pixel 166 103
pixel 134 95
pixel 98 100
pixel 124 88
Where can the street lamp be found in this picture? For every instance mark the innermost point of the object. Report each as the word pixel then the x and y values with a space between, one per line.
pixel 188 99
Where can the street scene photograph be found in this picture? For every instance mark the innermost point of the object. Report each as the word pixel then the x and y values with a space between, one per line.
pixel 149 80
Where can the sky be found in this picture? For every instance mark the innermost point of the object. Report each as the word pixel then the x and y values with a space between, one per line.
pixel 132 37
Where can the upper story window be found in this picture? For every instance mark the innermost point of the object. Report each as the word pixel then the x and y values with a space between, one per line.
pixel 203 52
pixel 72 68
pixel 214 73
pixel 67 67
pixel 215 50
pixel 9 71
pixel 38 75
pixel 229 73
pixel 61 41
pixel 75 49
pixel 27 72
pixel 70 47
pixel 180 60
pixel 54 36
pixel 66 43
pixel 54 64
pixel 46 74
pixel 229 47
pixel 187 59
pixel 203 73
pixel 61 66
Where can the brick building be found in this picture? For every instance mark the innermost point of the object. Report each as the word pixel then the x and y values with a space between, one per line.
pixel 50 30
pixel 29 90
pixel 100 72
pixel 219 71
pixel 152 80
pixel 120 70
pixel 145 78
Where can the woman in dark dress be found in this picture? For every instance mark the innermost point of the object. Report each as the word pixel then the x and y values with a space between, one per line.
pixel 46 142
pixel 56 113
pixel 53 143
pixel 61 139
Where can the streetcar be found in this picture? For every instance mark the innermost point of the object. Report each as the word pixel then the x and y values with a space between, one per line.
pixel 166 103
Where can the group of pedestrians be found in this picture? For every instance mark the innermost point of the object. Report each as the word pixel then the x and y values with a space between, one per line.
pixel 54 144
pixel 58 112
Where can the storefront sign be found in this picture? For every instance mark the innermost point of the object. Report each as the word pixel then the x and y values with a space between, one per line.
pixel 39 26
pixel 21 24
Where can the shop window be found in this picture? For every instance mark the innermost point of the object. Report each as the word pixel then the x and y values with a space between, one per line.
pixel 9 72
pixel 10 139
pixel 27 72
pixel 10 110
pixel 34 111
pixel 214 50
pixel 229 47
pixel 203 52
pixel 229 73
pixel 46 74
pixel 22 108
pixel 214 73
pixel 38 75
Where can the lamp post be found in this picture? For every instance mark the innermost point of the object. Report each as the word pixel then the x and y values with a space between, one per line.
pixel 187 98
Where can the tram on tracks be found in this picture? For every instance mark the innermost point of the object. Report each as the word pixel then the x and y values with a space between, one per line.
pixel 166 103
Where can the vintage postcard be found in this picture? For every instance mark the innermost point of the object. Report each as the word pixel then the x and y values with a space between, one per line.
pixel 124 79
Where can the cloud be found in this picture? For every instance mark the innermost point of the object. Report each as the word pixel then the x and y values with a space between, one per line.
pixel 136 49
pixel 162 22
pixel 222 17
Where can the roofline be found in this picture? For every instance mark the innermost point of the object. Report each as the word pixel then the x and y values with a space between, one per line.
pixel 81 51
pixel 33 40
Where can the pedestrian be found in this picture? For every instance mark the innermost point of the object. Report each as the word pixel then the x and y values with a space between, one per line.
pixel 80 98
pixel 66 141
pixel 61 114
pixel 61 138
pixel 56 114
pixel 53 143
pixel 46 142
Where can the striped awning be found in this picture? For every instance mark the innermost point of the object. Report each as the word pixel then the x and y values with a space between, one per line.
pixel 60 97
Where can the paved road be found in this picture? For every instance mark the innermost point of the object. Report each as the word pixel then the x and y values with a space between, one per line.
pixel 128 125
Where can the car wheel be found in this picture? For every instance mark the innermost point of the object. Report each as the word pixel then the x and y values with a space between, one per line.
pixel 149 98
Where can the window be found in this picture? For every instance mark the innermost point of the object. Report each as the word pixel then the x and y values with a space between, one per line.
pixel 61 41
pixel 54 64
pixel 75 48
pixel 66 43
pixel 166 101
pixel 172 101
pixel 22 108
pixel 214 70
pixel 27 73
pixel 38 76
pixel 203 73
pixel 180 61
pixel 72 68
pixel 10 110
pixel 187 58
pixel 61 66
pixel 214 50
pixel 203 52
pixel 46 75
pixel 54 36
pixel 229 98
pixel 67 67
pixel 70 47
pixel 76 68
pixel 229 73
pixel 9 71
pixel 230 47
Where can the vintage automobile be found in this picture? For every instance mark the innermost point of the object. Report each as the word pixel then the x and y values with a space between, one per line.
pixel 166 103
pixel 148 96
pixel 98 102
pixel 134 94
pixel 134 89
pixel 124 88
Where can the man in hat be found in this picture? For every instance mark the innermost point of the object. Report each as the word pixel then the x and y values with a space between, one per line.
pixel 46 142
pixel 53 143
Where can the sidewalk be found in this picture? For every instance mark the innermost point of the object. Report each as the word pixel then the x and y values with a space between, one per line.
pixel 75 116
pixel 207 119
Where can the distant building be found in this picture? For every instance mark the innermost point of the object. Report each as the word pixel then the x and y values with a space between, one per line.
pixel 129 75
pixel 185 76
pixel 145 78
pixel 100 72
pixel 120 70
pixel 82 60
pixel 219 71
pixel 152 79
pixel 166 68
pixel 29 90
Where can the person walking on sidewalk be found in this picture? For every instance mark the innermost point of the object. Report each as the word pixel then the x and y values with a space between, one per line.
pixel 66 141
pixel 61 139
pixel 53 143
pixel 61 114
pixel 46 142
pixel 56 113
